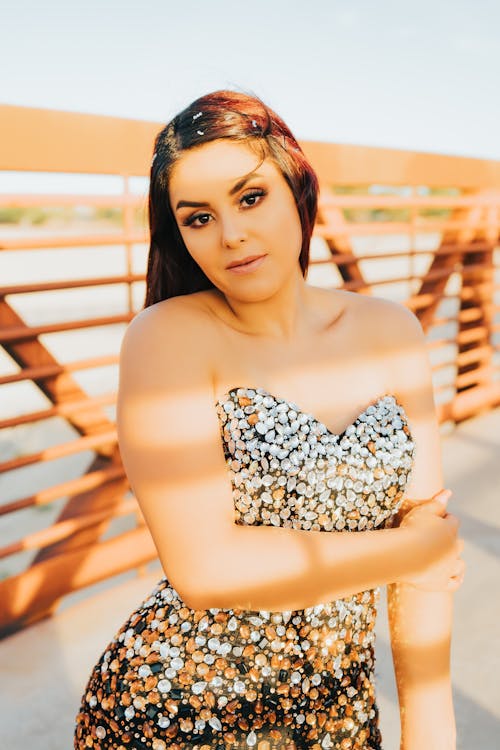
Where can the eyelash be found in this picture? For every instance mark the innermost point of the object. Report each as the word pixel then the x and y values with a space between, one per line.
pixel 258 192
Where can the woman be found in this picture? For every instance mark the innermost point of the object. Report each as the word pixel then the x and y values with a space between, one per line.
pixel 256 413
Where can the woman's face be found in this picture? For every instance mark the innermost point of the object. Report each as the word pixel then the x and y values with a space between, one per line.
pixel 228 208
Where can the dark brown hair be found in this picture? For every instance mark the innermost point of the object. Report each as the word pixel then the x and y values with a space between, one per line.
pixel 171 269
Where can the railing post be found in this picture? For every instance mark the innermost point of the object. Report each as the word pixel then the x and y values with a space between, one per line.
pixel 128 227
pixel 475 383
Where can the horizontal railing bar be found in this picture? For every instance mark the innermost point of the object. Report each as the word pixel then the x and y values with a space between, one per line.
pixel 462 337
pixel 334 229
pixel 47 371
pixel 442 365
pixel 438 322
pixel 473 313
pixel 471 334
pixel 67 528
pixel 465 316
pixel 51 286
pixel 334 200
pixel 464 293
pixel 346 258
pixel 43 242
pixel 479 374
pixel 471 268
pixel 68 408
pixel 65 409
pixel 326 231
pixel 470 292
pixel 415 302
pixel 328 200
pixel 448 249
pixel 430 275
pixel 440 342
pixel 71 407
pixel 70 488
pixel 88 442
pixel 473 355
pixel 28 200
pixel 330 230
pixel 469 402
pixel 88 564
pixel 25 333
pixel 82 443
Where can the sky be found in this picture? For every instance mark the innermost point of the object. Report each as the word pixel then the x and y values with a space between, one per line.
pixel 411 75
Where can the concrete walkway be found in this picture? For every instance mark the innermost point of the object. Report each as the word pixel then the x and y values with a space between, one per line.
pixel 43 669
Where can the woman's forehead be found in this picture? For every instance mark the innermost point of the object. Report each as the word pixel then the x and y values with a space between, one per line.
pixel 218 162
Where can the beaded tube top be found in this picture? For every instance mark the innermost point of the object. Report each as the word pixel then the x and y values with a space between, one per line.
pixel 174 677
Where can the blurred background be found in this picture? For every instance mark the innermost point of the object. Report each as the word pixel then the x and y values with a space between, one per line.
pixel 395 106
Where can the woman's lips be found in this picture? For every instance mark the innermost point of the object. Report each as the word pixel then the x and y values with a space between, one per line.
pixel 248 267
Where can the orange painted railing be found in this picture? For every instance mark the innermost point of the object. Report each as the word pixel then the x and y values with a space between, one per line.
pixel 419 228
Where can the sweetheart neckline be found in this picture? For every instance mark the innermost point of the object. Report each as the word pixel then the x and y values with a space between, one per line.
pixel 336 435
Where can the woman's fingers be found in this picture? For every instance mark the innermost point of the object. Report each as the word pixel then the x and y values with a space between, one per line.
pixel 443 495
pixel 437 503
pixel 452 584
pixel 433 506
pixel 456 580
pixel 461 568
pixel 436 506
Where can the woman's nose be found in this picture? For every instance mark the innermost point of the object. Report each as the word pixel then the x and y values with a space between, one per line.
pixel 233 232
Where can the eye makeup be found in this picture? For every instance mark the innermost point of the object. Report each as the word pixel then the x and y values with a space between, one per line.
pixel 253 193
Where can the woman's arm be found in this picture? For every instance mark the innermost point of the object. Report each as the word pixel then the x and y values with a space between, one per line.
pixel 420 626
pixel 420 621
pixel 170 443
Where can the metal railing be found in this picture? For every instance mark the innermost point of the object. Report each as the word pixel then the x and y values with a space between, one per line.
pixel 419 228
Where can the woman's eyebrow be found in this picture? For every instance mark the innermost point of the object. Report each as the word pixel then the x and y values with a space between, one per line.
pixel 234 189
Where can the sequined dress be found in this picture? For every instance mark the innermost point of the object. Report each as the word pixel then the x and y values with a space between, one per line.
pixel 175 677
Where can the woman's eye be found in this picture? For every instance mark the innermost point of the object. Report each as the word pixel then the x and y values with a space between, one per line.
pixel 203 219
pixel 190 221
pixel 252 196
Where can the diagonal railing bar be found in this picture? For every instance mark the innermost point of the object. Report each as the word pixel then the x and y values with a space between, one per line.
pixel 25 601
pixel 337 240
pixel 39 372
pixel 89 480
pixel 29 351
pixel 61 389
pixel 58 410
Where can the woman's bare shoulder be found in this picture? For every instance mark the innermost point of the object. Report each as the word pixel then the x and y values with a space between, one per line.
pixel 184 314
pixel 399 339
pixel 400 323
pixel 168 345
pixel 381 319
pixel 393 335
pixel 388 322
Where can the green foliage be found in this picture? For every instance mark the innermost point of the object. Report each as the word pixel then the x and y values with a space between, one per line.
pixel 38 215
pixel 19 215
pixel 108 214
pixel 362 215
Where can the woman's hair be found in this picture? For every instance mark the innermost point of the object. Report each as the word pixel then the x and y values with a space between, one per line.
pixel 237 116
